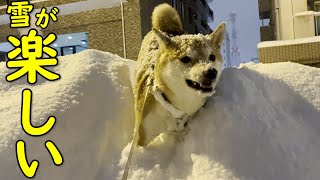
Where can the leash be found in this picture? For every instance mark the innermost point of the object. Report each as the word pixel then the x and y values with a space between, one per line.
pixel 136 130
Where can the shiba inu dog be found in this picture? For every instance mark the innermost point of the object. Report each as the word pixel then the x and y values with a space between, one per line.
pixel 175 74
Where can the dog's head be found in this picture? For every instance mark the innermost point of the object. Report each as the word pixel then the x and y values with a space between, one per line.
pixel 190 63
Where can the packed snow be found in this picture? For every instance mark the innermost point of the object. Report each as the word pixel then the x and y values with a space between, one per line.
pixel 263 123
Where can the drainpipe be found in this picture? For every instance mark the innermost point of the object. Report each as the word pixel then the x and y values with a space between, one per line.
pixel 123 32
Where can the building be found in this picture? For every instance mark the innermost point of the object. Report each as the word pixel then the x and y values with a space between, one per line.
pixel 195 14
pixel 226 51
pixel 255 60
pixel 289 19
pixel 107 25
pixel 296 25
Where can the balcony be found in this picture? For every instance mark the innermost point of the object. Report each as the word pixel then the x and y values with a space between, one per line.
pixel 205 25
pixel 267 33
pixel 306 24
pixel 303 51
pixel 211 15
pixel 204 3
pixel 264 9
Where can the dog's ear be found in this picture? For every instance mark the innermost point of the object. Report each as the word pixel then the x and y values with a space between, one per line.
pixel 163 38
pixel 217 36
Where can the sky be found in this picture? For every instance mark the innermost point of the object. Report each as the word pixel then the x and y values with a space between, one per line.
pixel 248 24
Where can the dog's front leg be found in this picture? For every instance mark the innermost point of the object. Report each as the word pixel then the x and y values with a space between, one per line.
pixel 168 139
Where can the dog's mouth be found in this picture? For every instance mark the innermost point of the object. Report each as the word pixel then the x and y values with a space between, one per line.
pixel 198 86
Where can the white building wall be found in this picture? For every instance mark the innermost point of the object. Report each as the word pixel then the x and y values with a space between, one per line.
pixel 285 18
pixel 294 21
pixel 303 25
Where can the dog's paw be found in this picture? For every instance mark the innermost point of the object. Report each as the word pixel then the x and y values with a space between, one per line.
pixel 163 139
pixel 168 139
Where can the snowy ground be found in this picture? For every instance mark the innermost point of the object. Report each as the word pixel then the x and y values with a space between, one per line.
pixel 263 123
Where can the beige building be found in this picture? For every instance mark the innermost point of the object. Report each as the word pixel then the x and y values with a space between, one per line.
pixel 108 25
pixel 295 25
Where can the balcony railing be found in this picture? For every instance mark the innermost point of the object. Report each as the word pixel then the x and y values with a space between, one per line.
pixel 204 25
pixel 312 22
pixel 264 9
pixel 204 3
pixel 211 13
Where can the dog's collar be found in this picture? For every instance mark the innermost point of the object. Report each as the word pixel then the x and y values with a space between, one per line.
pixel 165 102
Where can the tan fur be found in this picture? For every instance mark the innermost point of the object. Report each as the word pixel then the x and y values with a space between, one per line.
pixel 166 19
pixel 164 51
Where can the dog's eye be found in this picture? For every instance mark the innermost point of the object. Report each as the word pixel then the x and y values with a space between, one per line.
pixel 212 57
pixel 186 59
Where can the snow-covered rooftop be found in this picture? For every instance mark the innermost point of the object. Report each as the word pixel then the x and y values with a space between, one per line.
pixel 266 44
pixel 262 124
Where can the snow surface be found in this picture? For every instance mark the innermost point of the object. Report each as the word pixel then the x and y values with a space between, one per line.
pixel 263 123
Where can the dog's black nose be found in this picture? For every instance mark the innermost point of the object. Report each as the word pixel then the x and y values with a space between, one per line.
pixel 211 73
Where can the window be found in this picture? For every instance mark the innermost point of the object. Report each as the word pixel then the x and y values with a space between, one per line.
pixel 174 3
pixel 5 47
pixel 203 3
pixel 204 24
pixel 210 12
pixel 211 15
pixel 182 10
pixel 195 15
pixel 3 56
pixel 68 50
pixel 192 15
pixel 196 30
pixel 71 43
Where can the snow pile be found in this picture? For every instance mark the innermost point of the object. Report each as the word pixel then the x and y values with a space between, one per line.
pixel 93 106
pixel 263 123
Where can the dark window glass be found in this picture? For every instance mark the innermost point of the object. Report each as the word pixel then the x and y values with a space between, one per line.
pixel 203 2
pixel 204 24
pixel 190 15
pixel 3 56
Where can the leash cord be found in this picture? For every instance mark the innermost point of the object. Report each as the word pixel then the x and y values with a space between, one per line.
pixel 135 134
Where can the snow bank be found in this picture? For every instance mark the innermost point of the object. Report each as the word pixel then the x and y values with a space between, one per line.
pixel 93 106
pixel 263 123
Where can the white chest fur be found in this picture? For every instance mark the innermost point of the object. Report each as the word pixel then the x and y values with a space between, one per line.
pixel 157 121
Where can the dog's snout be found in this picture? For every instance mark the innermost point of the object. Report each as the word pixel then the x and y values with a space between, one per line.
pixel 211 74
